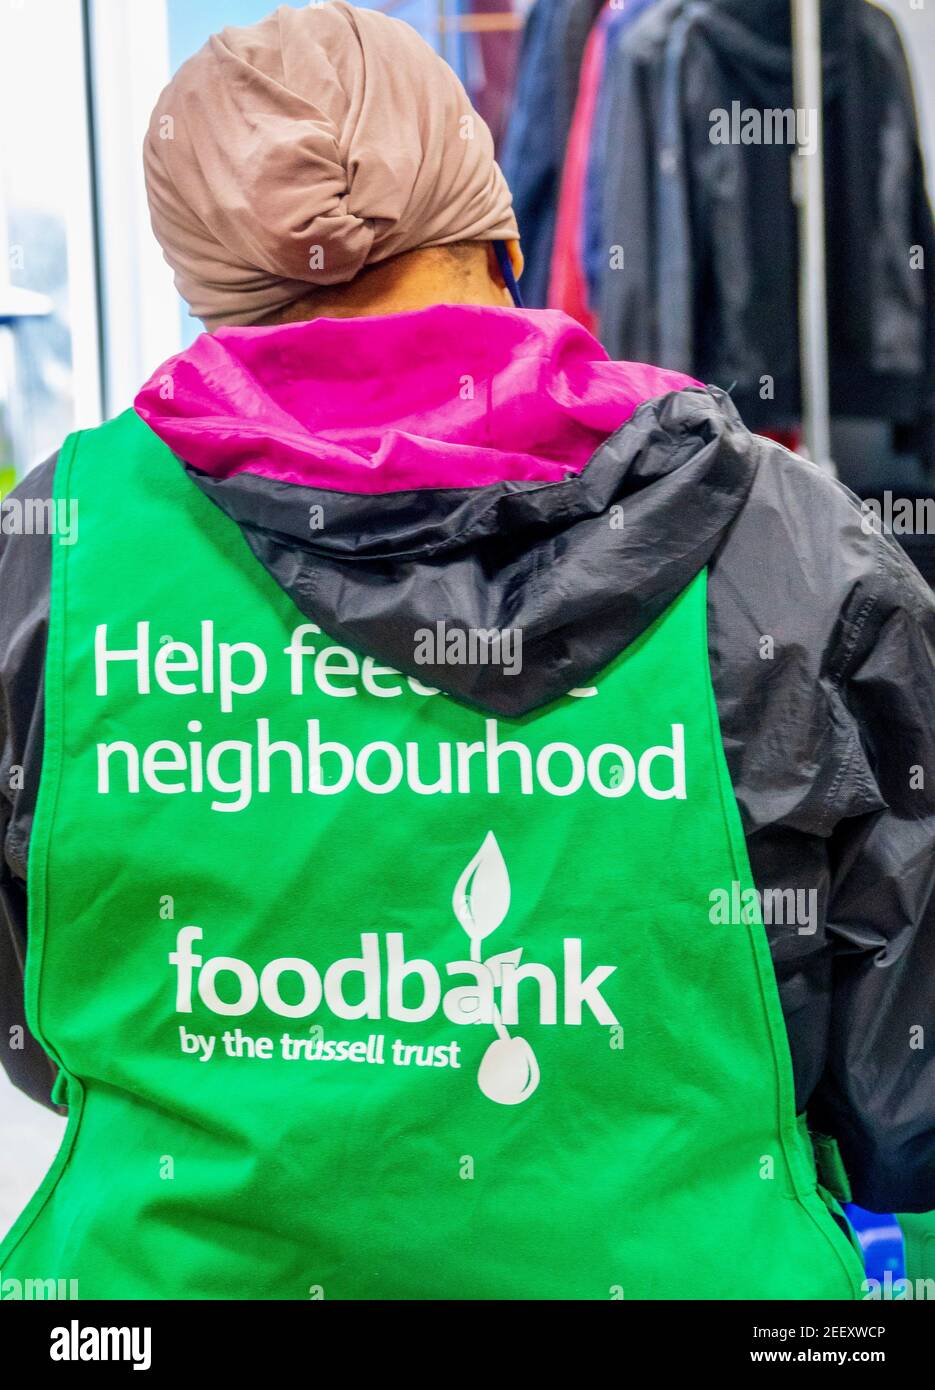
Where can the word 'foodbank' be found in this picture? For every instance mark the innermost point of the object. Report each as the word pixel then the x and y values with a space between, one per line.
pixel 408 991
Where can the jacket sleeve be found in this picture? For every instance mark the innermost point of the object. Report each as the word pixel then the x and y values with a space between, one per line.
pixel 25 572
pixel 877 1096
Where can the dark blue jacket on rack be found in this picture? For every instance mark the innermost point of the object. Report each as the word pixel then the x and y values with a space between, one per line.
pixel 534 149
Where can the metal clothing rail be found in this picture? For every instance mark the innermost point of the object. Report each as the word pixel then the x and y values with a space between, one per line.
pixel 499 22
pixel 808 184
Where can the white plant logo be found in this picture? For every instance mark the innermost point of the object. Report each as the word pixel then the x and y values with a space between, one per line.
pixel 509 1072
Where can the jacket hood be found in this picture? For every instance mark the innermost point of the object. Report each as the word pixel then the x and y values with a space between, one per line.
pixel 485 469
pixel 753 39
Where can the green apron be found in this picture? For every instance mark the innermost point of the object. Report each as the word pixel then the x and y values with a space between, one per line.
pixel 359 993
pixel 919 1235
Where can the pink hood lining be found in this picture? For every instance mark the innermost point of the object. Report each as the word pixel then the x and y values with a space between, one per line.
pixel 454 396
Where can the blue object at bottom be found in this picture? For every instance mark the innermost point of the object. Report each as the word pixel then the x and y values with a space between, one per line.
pixel 881 1240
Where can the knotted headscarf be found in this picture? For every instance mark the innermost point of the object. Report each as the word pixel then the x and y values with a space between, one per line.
pixel 298 150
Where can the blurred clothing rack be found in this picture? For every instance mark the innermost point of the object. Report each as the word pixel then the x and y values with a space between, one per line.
pixel 808 192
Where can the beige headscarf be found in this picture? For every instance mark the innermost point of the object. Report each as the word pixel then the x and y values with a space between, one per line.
pixel 300 149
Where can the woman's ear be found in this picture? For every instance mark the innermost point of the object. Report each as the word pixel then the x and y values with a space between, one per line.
pixel 493 265
pixel 496 272
pixel 516 256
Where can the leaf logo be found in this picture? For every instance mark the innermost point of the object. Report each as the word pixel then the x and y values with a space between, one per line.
pixel 509 1072
pixel 481 898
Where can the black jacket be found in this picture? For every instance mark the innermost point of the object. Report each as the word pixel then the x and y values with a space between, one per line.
pixel 708 230
pixel 822 648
